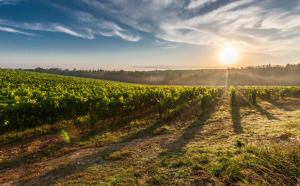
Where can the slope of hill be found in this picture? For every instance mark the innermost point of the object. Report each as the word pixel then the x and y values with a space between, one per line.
pixel 287 75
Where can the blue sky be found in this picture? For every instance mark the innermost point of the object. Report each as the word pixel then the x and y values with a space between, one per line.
pixel 147 34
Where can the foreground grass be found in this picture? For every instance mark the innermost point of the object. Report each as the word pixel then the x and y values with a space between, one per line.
pixel 252 164
pixel 244 145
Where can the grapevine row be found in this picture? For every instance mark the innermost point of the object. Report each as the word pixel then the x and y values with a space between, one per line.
pixel 266 92
pixel 33 99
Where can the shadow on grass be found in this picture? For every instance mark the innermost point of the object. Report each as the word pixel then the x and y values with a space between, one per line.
pixel 188 134
pixel 282 105
pixel 236 120
pixel 100 157
pixel 265 113
pixel 112 152
pixel 115 125
pixel 151 130
pixel 143 133
pixel 61 149
pixel 191 132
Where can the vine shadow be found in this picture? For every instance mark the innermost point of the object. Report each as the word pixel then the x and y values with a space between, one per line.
pixel 190 132
pixel 236 120
pixel 99 157
pixel 265 113
pixel 281 105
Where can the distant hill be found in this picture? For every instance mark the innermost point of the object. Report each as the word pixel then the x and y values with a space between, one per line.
pixel 251 75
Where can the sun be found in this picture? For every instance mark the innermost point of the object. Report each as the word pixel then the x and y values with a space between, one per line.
pixel 228 56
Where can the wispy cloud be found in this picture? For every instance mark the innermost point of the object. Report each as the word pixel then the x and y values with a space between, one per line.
pixel 97 25
pixel 45 27
pixel 269 26
pixel 170 47
pixel 198 3
pixel 126 36
pixel 68 31
pixel 5 29
pixel 87 26
pixel 165 44
pixel 158 42
pixel 86 32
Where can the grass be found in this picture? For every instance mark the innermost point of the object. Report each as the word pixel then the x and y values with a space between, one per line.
pixel 164 130
pixel 239 143
pixel 226 146
pixel 16 136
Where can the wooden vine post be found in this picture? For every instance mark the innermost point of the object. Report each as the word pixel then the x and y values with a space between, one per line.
pixel 91 117
pixel 74 119
pixel 159 110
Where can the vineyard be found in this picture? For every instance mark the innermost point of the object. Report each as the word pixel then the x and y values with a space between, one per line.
pixel 264 92
pixel 29 100
pixel 146 135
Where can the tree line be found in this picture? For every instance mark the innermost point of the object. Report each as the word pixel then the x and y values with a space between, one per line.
pixel 251 75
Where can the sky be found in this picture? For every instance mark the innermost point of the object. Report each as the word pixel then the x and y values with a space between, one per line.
pixel 147 34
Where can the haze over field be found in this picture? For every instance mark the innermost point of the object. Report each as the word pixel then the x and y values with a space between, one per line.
pixel 148 34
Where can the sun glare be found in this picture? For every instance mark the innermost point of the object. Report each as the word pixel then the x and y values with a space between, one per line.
pixel 228 56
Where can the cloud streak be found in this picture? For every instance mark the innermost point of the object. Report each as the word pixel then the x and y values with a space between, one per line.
pixel 43 27
pixel 165 45
pixel 85 32
pixel 198 3
pixel 87 26
pixel 5 29
pixel 97 26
